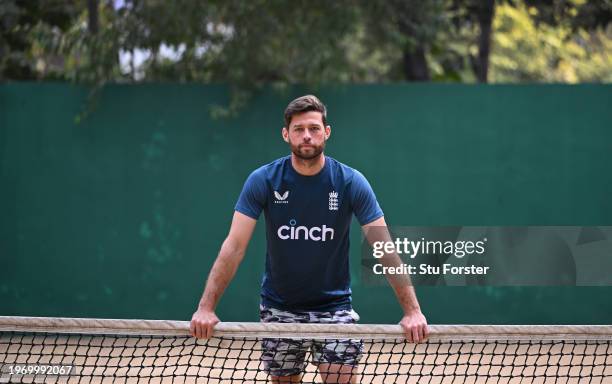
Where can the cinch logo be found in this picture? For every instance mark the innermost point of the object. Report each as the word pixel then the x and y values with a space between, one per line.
pixel 281 199
pixel 291 232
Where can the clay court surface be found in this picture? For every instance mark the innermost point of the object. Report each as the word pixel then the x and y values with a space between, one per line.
pixel 178 360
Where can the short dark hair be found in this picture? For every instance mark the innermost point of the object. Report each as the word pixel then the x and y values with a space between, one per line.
pixel 303 104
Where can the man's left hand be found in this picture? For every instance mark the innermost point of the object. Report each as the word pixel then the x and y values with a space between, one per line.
pixel 415 326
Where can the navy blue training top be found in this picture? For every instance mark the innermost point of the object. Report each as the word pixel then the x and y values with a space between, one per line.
pixel 307 229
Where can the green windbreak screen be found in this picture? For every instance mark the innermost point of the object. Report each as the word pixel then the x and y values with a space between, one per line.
pixel 122 214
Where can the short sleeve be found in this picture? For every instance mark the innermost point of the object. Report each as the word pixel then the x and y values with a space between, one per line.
pixel 252 199
pixel 363 200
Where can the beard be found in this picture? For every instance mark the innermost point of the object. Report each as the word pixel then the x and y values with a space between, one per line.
pixel 307 153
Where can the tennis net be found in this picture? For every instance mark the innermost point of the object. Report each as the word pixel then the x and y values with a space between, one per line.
pixel 68 350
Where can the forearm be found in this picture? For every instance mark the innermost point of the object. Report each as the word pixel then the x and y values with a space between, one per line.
pixel 221 274
pixel 406 296
pixel 401 283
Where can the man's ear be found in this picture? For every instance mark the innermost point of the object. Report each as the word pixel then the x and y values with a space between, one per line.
pixel 327 132
pixel 285 134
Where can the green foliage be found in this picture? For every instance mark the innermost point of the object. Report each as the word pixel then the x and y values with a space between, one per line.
pixel 27 29
pixel 526 51
pixel 251 43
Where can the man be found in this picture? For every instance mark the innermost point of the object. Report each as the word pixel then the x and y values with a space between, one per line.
pixel 308 199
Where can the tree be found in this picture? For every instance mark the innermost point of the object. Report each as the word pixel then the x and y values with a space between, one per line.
pixel 249 44
pixel 528 48
pixel 20 20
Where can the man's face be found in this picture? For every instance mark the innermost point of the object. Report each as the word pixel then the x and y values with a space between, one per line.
pixel 306 135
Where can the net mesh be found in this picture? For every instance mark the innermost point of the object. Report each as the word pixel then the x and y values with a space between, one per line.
pixel 35 350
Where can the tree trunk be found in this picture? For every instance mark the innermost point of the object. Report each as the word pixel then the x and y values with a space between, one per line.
pixel 92 11
pixel 485 11
pixel 415 64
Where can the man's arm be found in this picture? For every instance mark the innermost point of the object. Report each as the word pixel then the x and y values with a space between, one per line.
pixel 413 322
pixel 222 272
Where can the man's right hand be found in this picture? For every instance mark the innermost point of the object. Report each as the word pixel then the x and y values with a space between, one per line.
pixel 202 323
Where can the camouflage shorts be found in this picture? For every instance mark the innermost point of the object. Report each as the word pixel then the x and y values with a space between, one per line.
pixel 285 357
